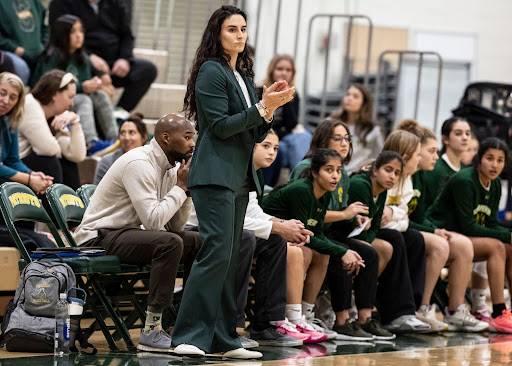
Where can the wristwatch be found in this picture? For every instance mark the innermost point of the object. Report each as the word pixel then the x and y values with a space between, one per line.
pixel 263 111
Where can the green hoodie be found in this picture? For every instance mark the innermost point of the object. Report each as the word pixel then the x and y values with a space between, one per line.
pixel 23 25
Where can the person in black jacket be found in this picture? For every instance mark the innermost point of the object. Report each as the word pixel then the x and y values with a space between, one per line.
pixel 109 40
pixel 293 145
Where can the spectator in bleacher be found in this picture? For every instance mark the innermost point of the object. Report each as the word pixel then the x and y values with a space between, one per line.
pixel 50 136
pixel 93 106
pixel 12 169
pixel 367 139
pixel 293 144
pixel 147 186
pixel 132 134
pixel 109 41
pixel 23 33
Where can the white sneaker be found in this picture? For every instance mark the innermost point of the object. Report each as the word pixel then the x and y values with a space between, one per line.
pixel 427 314
pixel 408 324
pixel 188 350
pixel 321 327
pixel 463 321
pixel 242 354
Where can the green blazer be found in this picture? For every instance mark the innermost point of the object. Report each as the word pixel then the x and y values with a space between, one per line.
pixel 228 130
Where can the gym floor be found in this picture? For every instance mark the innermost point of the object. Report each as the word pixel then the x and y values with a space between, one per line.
pixel 451 349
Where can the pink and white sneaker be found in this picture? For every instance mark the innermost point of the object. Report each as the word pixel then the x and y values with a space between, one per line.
pixel 482 314
pixel 287 328
pixel 501 324
pixel 314 337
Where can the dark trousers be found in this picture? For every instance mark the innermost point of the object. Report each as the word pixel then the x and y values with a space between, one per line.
pixel 62 170
pixel 207 314
pixel 341 282
pixel 136 83
pixel 162 250
pixel 31 240
pixel 395 295
pixel 415 245
pixel 269 276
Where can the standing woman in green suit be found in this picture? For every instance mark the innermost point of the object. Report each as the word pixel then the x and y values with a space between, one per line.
pixel 221 98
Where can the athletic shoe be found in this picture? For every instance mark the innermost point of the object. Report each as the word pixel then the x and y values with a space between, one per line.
pixel 321 327
pixel 289 329
pixel 408 324
pixel 98 145
pixel 462 321
pixel 248 343
pixel 189 350
pixel 314 337
pixel 242 354
pixel 373 327
pixel 272 337
pixel 154 341
pixel 427 314
pixel 351 331
pixel 501 324
pixel 482 314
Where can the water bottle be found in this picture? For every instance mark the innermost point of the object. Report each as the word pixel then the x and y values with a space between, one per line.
pixel 62 327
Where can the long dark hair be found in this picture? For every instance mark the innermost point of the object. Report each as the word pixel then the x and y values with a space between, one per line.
pixel 447 128
pixel 58 44
pixel 363 123
pixel 319 159
pixel 491 143
pixel 323 134
pixel 210 48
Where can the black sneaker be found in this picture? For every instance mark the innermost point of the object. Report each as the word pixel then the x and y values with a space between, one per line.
pixel 351 331
pixel 271 337
pixel 373 327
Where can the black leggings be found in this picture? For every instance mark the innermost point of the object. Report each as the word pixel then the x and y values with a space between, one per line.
pixel 62 170
pixel 341 283
pixel 404 276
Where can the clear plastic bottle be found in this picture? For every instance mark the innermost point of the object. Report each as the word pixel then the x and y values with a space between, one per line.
pixel 62 327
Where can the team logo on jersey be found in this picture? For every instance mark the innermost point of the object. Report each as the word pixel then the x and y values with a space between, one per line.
pixel 481 213
pixel 25 17
pixel 312 222
pixel 413 203
pixel 340 194
pixel 394 200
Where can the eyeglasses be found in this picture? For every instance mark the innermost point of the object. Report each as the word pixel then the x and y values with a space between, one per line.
pixel 339 138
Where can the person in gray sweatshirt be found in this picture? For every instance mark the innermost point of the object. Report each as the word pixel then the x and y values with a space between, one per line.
pixel 147 187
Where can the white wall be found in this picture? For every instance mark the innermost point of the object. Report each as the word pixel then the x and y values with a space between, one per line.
pixel 487 22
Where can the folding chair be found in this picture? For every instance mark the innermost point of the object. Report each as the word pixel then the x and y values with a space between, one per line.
pixel 19 203
pixel 68 208
pixel 85 192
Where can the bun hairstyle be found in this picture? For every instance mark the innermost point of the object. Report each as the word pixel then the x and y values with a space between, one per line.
pixel 491 143
pixel 319 159
pixel 412 126
pixel 385 157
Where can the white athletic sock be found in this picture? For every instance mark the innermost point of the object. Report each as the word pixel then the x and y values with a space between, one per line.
pixel 478 298
pixel 153 320
pixel 307 310
pixel 293 312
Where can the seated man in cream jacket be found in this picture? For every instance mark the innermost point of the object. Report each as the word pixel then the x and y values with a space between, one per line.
pixel 147 186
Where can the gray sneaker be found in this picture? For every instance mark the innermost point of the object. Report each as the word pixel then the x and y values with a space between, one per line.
pixel 248 343
pixel 271 337
pixel 351 331
pixel 154 341
pixel 373 327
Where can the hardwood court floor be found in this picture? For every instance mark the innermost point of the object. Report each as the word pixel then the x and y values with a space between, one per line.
pixel 415 350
